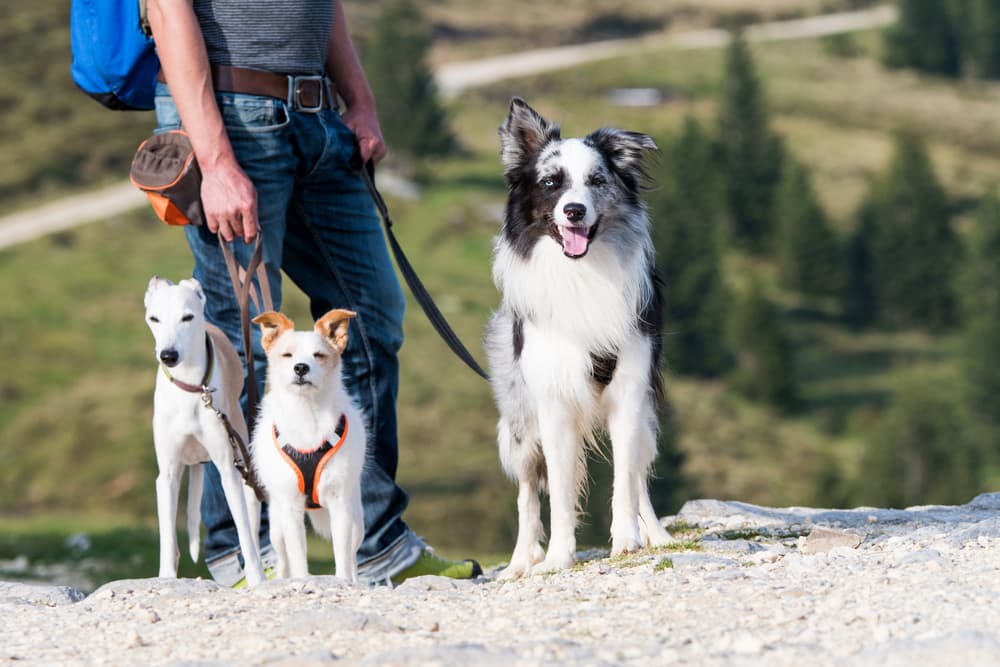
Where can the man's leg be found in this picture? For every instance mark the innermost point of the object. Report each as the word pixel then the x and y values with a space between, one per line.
pixel 335 252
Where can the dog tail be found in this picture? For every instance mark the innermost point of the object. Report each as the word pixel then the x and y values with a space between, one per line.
pixel 195 480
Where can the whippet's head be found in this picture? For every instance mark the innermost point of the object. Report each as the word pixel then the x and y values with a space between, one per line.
pixel 303 361
pixel 176 316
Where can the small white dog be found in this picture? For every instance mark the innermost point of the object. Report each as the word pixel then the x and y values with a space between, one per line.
pixel 194 354
pixel 309 442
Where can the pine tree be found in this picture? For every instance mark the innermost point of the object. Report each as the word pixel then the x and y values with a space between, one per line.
pixel 686 218
pixel 858 298
pixel 924 37
pixel 982 38
pixel 751 152
pixel 765 354
pixel 980 349
pixel 914 250
pixel 807 248
pixel 412 119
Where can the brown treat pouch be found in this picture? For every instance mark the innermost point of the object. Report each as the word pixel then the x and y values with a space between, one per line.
pixel 164 167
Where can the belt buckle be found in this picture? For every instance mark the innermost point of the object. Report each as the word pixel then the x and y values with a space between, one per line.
pixel 295 92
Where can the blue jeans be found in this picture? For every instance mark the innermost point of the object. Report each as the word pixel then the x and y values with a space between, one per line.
pixel 319 226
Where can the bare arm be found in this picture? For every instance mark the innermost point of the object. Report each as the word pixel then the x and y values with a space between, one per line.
pixel 344 67
pixel 228 196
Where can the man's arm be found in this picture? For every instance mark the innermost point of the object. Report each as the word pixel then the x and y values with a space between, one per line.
pixel 228 196
pixel 344 68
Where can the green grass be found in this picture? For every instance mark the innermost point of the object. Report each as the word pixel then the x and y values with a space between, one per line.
pixel 664 564
pixel 114 547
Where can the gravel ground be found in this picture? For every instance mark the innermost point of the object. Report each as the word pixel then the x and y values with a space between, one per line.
pixel 744 585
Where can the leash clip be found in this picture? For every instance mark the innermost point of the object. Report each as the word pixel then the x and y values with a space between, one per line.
pixel 206 395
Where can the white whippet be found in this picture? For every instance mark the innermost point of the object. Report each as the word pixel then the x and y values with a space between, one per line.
pixel 196 357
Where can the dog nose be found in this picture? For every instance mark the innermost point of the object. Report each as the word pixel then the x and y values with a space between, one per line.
pixel 169 357
pixel 574 212
pixel 301 369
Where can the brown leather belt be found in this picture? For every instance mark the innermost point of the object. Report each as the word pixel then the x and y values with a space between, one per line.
pixel 303 92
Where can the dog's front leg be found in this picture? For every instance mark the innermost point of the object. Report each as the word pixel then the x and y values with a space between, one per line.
pixel 168 485
pixel 253 514
pixel 292 531
pixel 528 549
pixel 277 534
pixel 652 531
pixel 625 497
pixel 563 448
pixel 196 482
pixel 232 486
pixel 631 426
pixel 345 518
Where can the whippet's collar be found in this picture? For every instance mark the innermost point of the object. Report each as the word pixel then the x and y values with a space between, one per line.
pixel 307 464
pixel 209 367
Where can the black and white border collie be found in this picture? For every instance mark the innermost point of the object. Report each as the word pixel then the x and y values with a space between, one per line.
pixel 574 347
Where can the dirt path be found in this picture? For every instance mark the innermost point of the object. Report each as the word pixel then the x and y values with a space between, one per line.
pixel 745 585
pixel 453 79
pixel 457 77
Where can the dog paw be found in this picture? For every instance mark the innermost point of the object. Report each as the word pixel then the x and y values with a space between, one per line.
pixel 520 564
pixel 554 563
pixel 625 545
pixel 653 536
pixel 515 570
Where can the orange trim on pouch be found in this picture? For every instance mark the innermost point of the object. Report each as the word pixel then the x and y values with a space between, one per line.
pixel 166 211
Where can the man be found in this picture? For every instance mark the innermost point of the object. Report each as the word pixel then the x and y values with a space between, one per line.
pixel 255 85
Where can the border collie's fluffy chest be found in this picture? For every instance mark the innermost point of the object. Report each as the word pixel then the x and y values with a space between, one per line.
pixel 595 301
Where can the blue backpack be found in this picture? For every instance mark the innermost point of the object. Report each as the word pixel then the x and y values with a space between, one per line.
pixel 114 60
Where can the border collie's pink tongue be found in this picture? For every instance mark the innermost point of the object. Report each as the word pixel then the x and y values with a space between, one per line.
pixel 574 240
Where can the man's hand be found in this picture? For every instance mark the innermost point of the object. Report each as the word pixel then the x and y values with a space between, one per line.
pixel 230 202
pixel 364 123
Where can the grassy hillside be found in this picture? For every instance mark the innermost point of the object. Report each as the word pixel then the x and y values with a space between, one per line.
pixel 54 139
pixel 76 366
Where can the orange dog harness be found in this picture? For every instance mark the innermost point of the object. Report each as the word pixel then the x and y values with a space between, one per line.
pixel 308 463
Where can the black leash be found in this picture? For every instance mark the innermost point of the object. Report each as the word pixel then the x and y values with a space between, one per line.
pixel 367 173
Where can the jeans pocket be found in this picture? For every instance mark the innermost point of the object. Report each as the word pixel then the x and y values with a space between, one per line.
pixel 251 113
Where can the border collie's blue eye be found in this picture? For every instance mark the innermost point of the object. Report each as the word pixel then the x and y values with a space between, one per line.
pixel 548 182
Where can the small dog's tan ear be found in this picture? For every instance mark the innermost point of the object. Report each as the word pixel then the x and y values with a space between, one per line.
pixel 272 325
pixel 333 327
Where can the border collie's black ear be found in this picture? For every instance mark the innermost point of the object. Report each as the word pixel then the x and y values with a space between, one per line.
pixel 625 151
pixel 523 134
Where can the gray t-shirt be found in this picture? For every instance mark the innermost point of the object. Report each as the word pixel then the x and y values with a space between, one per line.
pixel 284 36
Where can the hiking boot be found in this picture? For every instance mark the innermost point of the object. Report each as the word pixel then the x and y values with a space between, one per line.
pixel 228 570
pixel 431 563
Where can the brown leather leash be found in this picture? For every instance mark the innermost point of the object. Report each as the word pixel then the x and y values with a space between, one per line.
pixel 243 287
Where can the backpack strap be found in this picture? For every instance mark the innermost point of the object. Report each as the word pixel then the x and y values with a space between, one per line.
pixel 144 19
